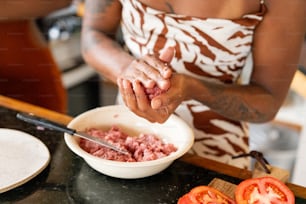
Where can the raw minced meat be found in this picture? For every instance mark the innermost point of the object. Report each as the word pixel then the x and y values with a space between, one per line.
pixel 155 91
pixel 144 147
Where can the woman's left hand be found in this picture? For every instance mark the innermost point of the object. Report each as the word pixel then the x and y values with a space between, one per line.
pixel 174 96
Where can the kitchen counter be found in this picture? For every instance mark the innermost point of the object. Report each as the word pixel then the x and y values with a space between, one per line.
pixel 68 179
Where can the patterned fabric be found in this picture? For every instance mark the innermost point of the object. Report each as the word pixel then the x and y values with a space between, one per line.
pixel 205 48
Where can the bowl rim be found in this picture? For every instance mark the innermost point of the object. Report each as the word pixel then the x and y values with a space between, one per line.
pixel 71 142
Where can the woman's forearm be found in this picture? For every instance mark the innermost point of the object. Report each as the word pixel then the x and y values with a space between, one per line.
pixel 104 54
pixel 249 103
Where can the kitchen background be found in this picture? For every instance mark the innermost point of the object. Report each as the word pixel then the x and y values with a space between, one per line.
pixel 282 141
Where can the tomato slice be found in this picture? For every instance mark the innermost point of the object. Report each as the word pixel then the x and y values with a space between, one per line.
pixel 185 199
pixel 263 190
pixel 205 195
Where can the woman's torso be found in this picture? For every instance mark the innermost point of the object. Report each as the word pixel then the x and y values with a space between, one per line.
pixel 209 47
pixel 210 42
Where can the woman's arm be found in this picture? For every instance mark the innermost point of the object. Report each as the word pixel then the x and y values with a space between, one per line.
pixel 100 50
pixel 277 48
pixel 277 44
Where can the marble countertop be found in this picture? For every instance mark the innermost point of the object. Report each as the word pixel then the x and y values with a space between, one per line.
pixel 68 179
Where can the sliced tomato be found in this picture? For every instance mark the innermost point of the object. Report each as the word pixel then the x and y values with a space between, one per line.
pixel 263 190
pixel 205 195
pixel 185 199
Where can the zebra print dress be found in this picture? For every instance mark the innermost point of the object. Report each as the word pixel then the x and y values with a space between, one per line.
pixel 205 48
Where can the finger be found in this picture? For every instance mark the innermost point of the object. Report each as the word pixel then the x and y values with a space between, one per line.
pixel 128 95
pixel 121 89
pixel 162 70
pixel 160 101
pixel 167 54
pixel 140 73
pixel 144 107
pixel 143 103
pixel 157 71
pixel 156 103
pixel 166 100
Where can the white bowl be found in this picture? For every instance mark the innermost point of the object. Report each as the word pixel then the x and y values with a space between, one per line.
pixel 174 131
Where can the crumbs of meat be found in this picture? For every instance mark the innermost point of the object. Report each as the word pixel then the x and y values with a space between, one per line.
pixel 153 92
pixel 145 147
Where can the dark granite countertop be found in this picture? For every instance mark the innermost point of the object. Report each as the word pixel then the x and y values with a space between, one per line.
pixel 68 179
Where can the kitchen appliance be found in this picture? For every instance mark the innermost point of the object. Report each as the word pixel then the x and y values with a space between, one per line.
pixel 62 30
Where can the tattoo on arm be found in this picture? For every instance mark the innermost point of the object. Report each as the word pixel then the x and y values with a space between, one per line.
pixel 95 9
pixel 233 106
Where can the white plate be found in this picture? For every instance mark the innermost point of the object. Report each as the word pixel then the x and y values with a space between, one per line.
pixel 22 157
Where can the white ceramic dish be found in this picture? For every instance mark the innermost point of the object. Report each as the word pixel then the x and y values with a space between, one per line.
pixel 22 157
pixel 174 131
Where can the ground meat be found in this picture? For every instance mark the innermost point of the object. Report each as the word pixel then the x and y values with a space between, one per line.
pixel 145 147
pixel 152 92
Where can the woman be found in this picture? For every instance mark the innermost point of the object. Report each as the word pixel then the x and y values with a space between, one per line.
pixel 28 71
pixel 194 53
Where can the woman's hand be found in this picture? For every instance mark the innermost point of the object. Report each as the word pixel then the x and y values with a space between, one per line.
pixel 174 96
pixel 160 107
pixel 143 80
pixel 150 70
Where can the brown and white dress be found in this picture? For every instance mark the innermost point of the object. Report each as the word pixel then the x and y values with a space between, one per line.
pixel 205 48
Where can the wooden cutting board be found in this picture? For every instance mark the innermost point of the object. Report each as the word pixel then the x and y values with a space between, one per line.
pixel 223 186
pixel 229 188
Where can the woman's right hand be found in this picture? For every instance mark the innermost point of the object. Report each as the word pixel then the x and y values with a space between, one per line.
pixel 140 78
pixel 150 70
